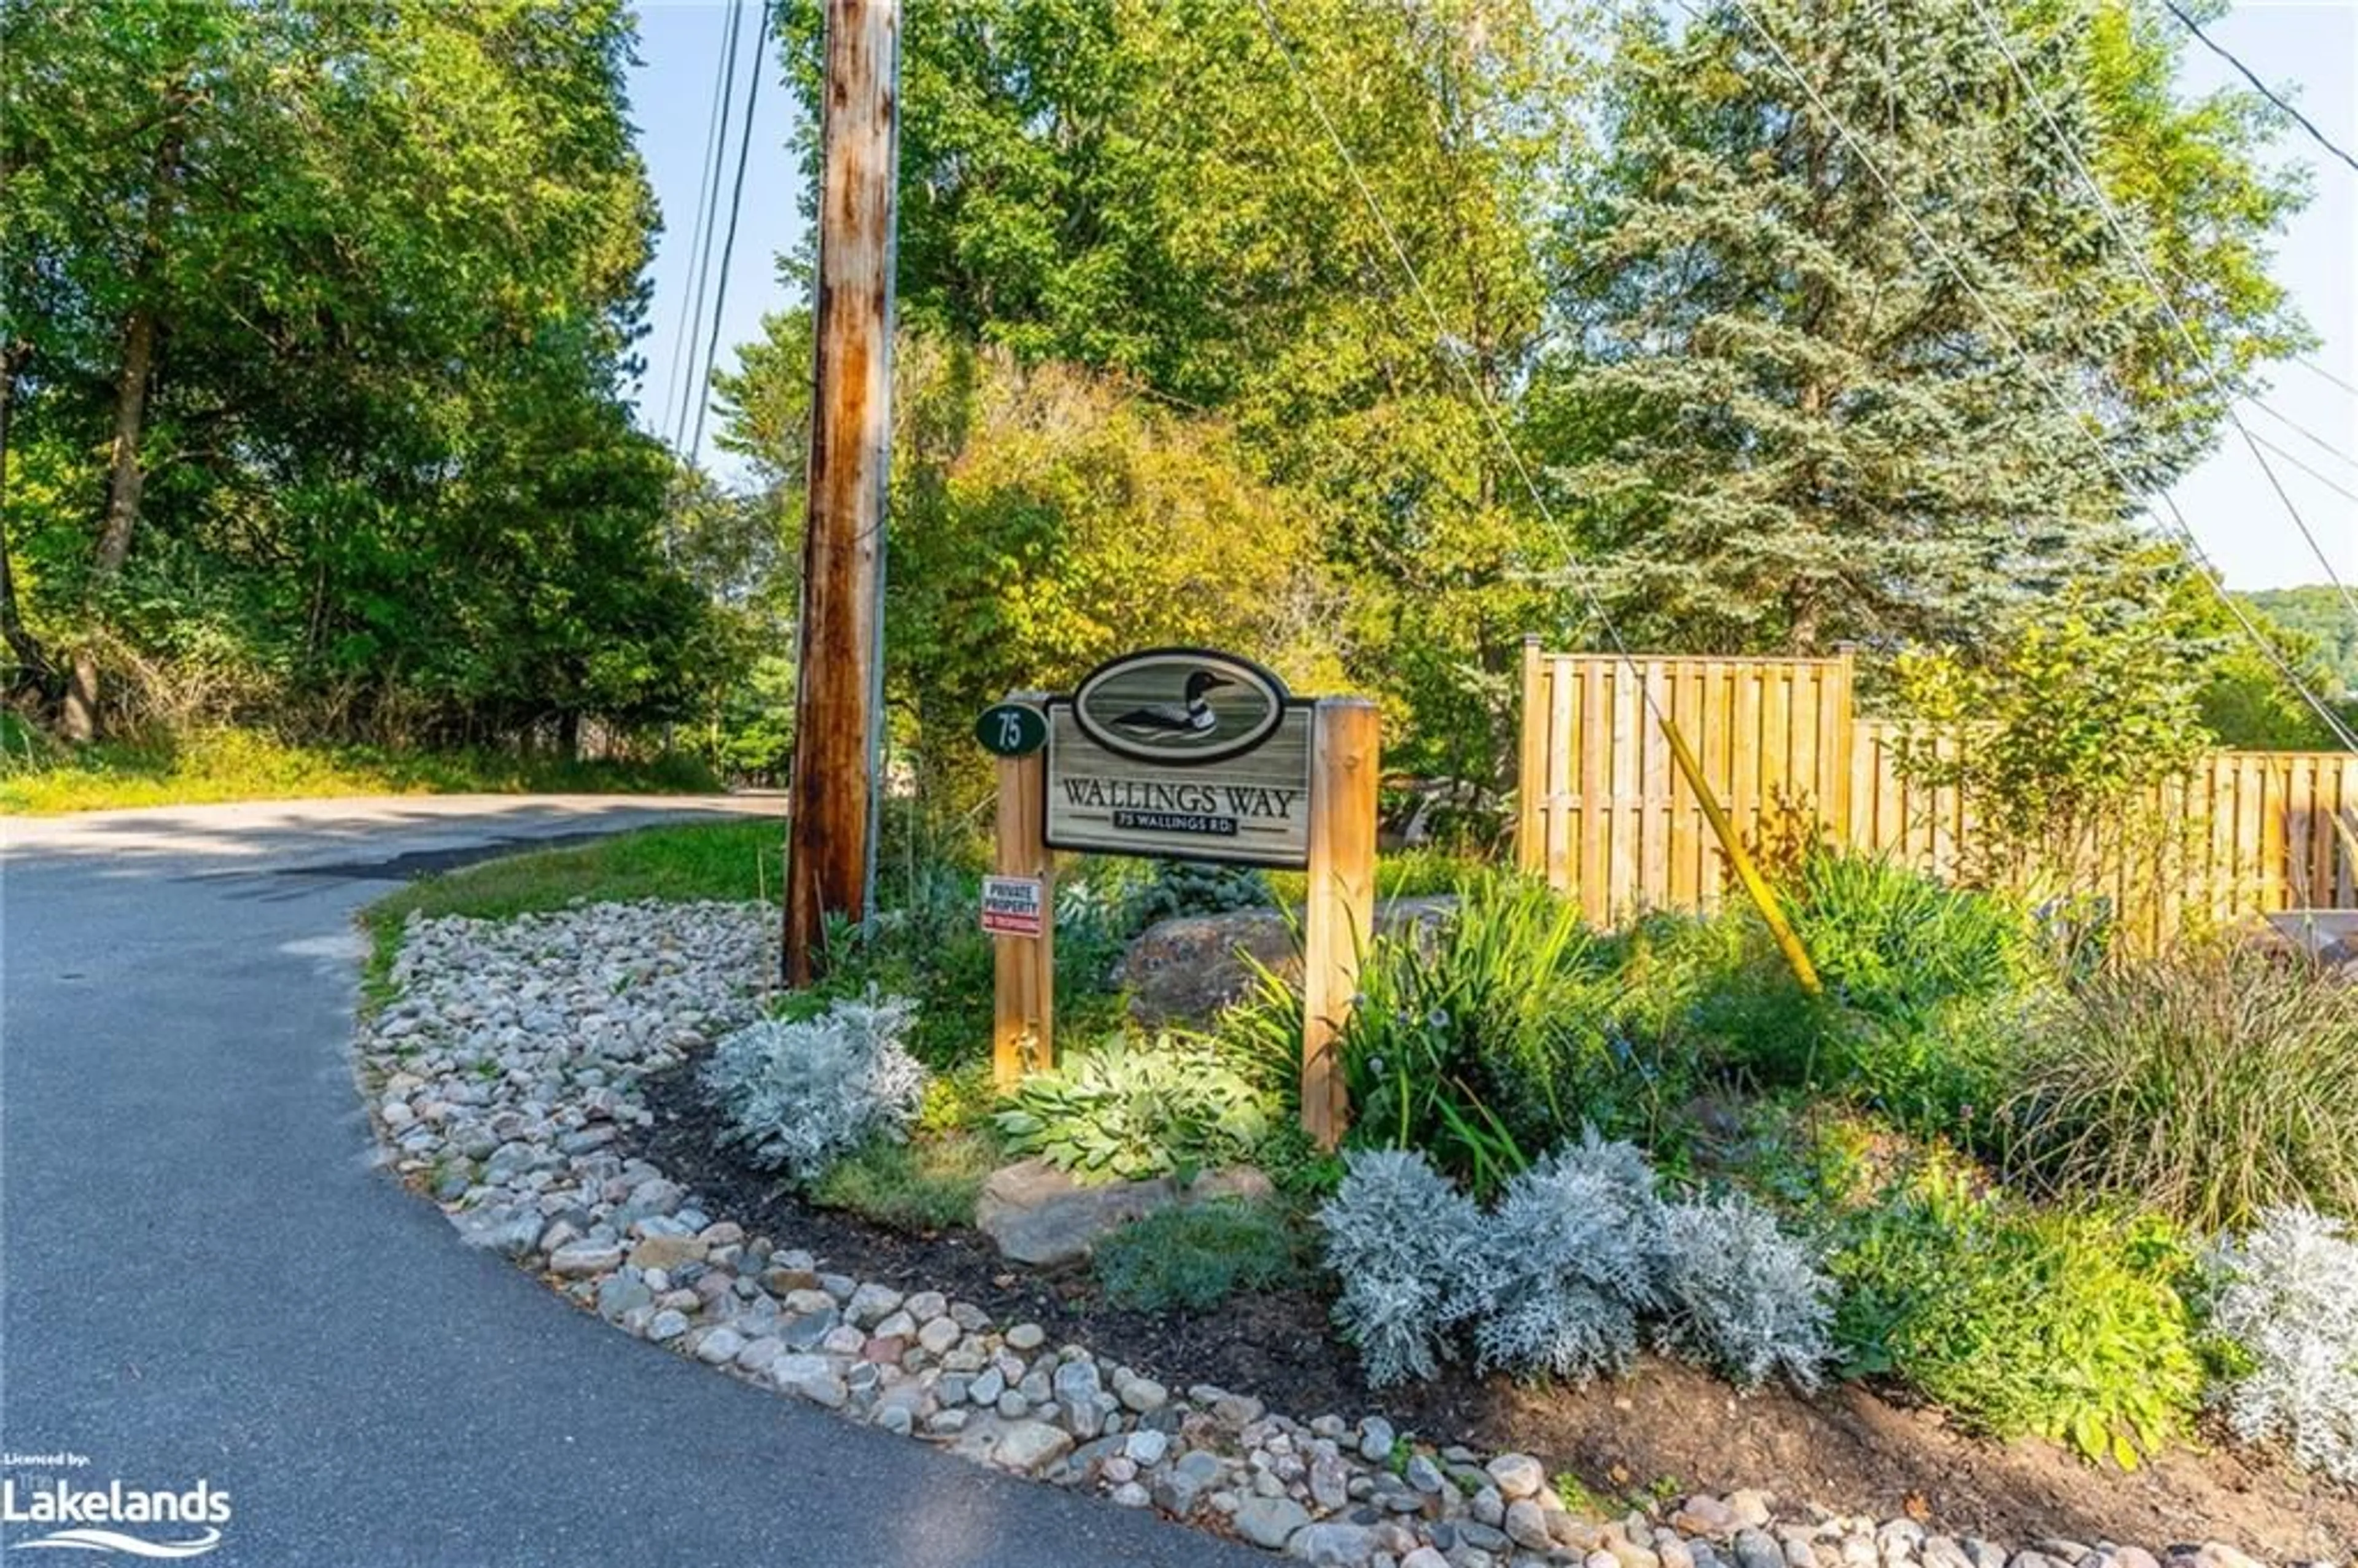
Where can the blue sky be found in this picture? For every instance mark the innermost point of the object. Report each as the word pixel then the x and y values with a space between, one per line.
pixel 2310 46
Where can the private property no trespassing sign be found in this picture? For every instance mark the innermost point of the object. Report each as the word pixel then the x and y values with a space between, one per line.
pixel 1012 906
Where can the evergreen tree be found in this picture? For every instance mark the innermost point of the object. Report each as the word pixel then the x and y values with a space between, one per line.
pixel 1782 420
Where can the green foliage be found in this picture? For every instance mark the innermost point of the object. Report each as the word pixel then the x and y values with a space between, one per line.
pixel 926 1182
pixel 1127 1108
pixel 925 942
pixel 1488 1039
pixel 1781 422
pixel 217 764
pixel 2318 620
pixel 360 283
pixel 2018 1321
pixel 2085 708
pixel 1192 1258
pixel 2212 1084
pixel 1183 887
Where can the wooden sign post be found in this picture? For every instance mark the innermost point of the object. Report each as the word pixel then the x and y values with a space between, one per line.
pixel 1023 968
pixel 1183 754
pixel 1341 915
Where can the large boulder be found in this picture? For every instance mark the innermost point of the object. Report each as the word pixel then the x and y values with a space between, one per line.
pixel 1187 968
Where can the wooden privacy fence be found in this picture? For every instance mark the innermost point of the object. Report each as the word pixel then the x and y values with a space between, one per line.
pixel 1604 813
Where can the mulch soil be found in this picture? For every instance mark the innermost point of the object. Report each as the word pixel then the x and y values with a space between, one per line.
pixel 1664 1426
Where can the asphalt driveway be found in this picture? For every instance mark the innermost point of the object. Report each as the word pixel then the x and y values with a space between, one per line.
pixel 203 1275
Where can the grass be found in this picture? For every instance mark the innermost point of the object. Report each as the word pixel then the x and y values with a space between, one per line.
pixel 39 777
pixel 2213 1085
pixel 927 1184
pixel 733 860
pixel 1192 1258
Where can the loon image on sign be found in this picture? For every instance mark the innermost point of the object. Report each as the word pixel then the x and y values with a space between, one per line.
pixel 1183 754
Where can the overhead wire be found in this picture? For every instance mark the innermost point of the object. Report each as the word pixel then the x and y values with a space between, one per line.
pixel 2211 575
pixel 2135 254
pixel 691 382
pixel 2304 432
pixel 2336 486
pixel 2264 90
pixel 729 244
pixel 681 332
pixel 1579 578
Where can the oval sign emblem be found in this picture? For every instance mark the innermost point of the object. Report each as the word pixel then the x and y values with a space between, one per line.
pixel 1179 707
pixel 1011 729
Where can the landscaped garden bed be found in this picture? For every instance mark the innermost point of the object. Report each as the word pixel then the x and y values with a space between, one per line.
pixel 2008 1305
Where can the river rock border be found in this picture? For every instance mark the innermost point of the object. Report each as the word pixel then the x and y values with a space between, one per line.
pixel 503 1072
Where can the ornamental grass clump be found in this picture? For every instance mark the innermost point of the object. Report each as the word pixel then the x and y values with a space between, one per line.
pixel 799 1095
pixel 1398 1236
pixel 2283 1315
pixel 2212 1085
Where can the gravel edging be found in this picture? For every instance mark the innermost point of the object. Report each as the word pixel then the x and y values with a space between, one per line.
pixel 504 1071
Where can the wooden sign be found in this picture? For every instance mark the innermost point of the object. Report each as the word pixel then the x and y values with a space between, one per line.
pixel 1182 754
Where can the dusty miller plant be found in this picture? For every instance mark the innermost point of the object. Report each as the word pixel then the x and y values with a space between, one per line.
pixel 1742 1296
pixel 1571 1257
pixel 1398 1235
pixel 798 1095
pixel 2285 1300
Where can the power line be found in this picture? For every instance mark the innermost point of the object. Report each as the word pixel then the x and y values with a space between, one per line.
pixel 2311 366
pixel 2305 433
pixel 2262 88
pixel 2136 258
pixel 690 380
pixel 681 331
pixel 729 244
pixel 1858 148
pixel 2332 484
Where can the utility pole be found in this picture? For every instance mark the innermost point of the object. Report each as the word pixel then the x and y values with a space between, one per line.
pixel 831 800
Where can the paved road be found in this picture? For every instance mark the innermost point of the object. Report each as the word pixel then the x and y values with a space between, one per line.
pixel 205 1277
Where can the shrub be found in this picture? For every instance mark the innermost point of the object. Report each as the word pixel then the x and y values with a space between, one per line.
pixel 2212 1085
pixel 1194 1256
pixel 1487 1042
pixel 1923 992
pixel 1571 1257
pixel 1186 887
pixel 2018 1321
pixel 923 1183
pixel 1124 1109
pixel 1741 1296
pixel 799 1094
pixel 2283 1305
pixel 1398 1236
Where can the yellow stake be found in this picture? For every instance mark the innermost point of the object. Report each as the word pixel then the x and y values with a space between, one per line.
pixel 1763 897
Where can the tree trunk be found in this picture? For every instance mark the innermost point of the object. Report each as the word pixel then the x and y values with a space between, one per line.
pixel 35 674
pixel 125 481
pixel 126 477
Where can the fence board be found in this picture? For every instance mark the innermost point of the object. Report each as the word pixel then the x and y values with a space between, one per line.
pixel 1604 815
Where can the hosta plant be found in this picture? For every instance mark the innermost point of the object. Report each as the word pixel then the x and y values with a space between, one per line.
pixel 2284 1316
pixel 1128 1109
pixel 799 1094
